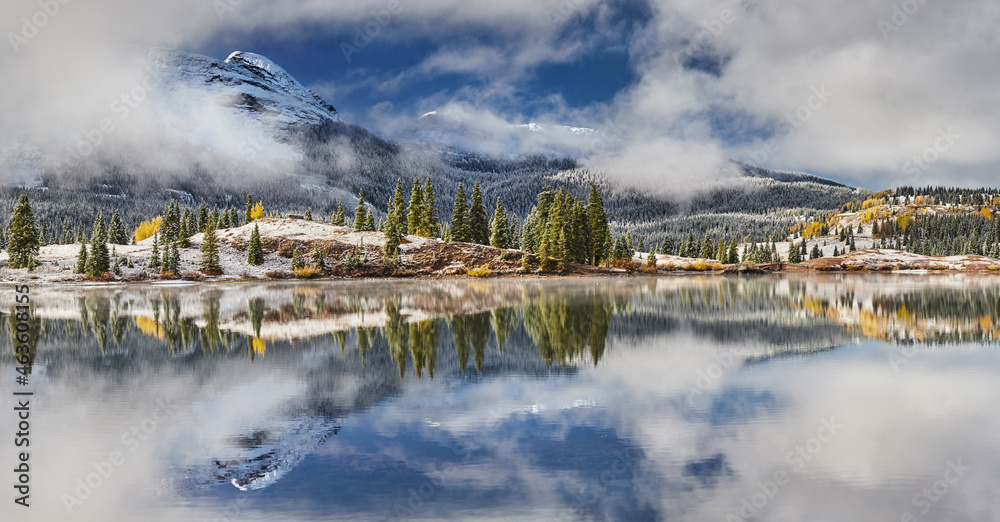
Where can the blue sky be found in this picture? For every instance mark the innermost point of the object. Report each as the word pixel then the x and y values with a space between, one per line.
pixel 859 90
pixel 313 54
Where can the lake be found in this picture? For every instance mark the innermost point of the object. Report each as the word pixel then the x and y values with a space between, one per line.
pixel 780 398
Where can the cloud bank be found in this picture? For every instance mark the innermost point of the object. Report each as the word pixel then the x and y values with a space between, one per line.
pixel 877 93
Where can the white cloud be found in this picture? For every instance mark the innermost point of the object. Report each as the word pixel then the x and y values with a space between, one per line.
pixel 895 86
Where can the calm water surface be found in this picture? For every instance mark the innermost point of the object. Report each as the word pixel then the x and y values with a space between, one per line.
pixel 791 398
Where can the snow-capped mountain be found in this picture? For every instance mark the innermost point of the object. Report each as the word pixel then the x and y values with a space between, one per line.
pixel 247 83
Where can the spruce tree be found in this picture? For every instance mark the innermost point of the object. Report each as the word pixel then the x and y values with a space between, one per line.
pixel 370 221
pixel 309 214
pixel 395 225
pixel 67 232
pixel 513 232
pixel 598 220
pixel 116 232
pixel 499 227
pixel 459 217
pixel 98 262
pixel 360 218
pixel 429 225
pixel 175 259
pixel 247 214
pixel 255 250
pixel 415 212
pixel 555 232
pixel 22 235
pixel 203 216
pixel 210 252
pixel 667 246
pixel 479 225
pixel 318 258
pixel 338 218
pixel 298 263
pixel 154 260
pixel 186 230
pixel 165 265
pixel 81 259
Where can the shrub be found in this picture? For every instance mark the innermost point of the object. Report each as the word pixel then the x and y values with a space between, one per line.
pixel 278 274
pixel 648 269
pixel 308 272
pixel 480 271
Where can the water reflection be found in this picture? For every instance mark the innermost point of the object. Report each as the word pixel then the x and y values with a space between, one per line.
pixel 632 399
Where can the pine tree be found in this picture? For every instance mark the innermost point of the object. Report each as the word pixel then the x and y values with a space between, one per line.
pixel 597 219
pixel 816 252
pixel 81 259
pixel 154 260
pixel 395 225
pixel 338 218
pixel 429 225
pixel 499 227
pixel 414 215
pixel 555 231
pixel 210 251
pixel 370 221
pixel 175 259
pixel 360 219
pixel 513 232
pixel 317 257
pixel 202 216
pixel 794 254
pixel 98 262
pixel 116 266
pixel 22 235
pixel 171 224
pixel 67 232
pixel 667 246
pixel 733 256
pixel 187 228
pixel 479 225
pixel 255 250
pixel 309 214
pixel 116 231
pixel 298 263
pixel 247 214
pixel 459 217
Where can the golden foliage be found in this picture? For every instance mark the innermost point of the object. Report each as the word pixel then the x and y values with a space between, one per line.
pixel 480 271
pixel 259 346
pixel 872 202
pixel 308 272
pixel 986 213
pixel 904 221
pixel 146 229
pixel 257 211
pixel 149 327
